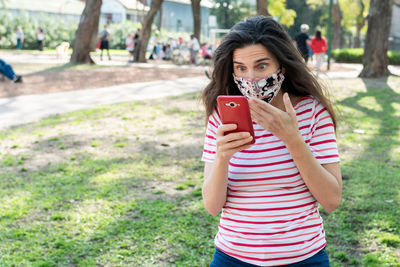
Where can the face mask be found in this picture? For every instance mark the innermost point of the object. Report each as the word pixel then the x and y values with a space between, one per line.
pixel 266 88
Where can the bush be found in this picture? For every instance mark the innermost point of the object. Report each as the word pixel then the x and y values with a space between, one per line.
pixel 354 55
pixel 119 32
pixel 56 30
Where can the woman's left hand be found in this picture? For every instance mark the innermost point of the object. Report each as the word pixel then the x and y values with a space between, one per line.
pixel 280 123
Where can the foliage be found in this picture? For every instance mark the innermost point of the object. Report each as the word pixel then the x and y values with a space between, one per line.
pixel 350 10
pixel 315 18
pixel 56 30
pixel 230 12
pixel 350 15
pixel 348 55
pixel 279 10
pixel 355 55
pixel 119 32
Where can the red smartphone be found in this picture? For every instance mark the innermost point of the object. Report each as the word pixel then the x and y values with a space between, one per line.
pixel 235 109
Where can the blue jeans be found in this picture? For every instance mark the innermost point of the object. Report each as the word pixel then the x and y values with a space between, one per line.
pixel 223 260
pixel 6 70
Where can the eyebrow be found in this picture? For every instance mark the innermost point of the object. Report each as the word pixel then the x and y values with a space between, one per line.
pixel 258 60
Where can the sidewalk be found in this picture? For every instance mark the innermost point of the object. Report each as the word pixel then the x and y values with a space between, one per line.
pixel 29 108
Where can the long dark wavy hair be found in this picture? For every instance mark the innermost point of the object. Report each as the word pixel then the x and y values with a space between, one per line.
pixel 318 35
pixel 299 81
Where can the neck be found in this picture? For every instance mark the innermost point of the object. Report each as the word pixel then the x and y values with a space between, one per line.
pixel 278 100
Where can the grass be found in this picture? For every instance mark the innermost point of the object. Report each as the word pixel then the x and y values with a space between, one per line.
pixel 120 185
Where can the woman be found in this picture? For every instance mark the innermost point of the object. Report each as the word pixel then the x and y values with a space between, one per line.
pixel 40 38
pixel 129 46
pixel 318 47
pixel 269 192
pixel 20 37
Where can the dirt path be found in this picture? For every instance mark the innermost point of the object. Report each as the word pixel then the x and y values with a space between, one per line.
pixel 67 80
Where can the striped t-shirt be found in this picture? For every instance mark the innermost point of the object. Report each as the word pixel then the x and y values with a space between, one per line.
pixel 270 217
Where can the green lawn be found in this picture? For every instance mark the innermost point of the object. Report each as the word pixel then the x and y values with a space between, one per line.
pixel 120 185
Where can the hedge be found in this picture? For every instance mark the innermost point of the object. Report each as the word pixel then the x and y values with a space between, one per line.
pixel 56 31
pixel 354 55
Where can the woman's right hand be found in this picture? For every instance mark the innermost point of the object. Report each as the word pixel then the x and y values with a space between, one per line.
pixel 229 144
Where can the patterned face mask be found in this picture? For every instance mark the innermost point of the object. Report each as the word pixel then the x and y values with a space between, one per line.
pixel 265 88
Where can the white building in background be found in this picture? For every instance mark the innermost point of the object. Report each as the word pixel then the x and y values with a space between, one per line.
pixel 394 38
pixel 68 10
pixel 120 10
pixel 175 15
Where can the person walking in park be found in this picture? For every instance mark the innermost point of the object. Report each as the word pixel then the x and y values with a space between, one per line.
pixel 269 192
pixel 194 47
pixel 136 37
pixel 319 47
pixel 104 42
pixel 129 46
pixel 40 38
pixel 302 41
pixel 7 70
pixel 20 37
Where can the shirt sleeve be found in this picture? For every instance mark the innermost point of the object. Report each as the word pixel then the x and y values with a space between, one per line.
pixel 210 147
pixel 323 138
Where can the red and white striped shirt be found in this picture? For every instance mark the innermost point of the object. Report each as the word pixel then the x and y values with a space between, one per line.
pixel 270 217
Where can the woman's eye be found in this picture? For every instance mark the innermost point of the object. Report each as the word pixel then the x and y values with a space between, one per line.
pixel 262 66
pixel 241 68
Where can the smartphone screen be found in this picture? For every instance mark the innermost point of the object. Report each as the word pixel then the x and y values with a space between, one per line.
pixel 235 110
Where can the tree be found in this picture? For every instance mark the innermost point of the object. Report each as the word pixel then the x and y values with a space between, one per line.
pixel 88 26
pixel 361 19
pixel 337 25
pixel 375 60
pixel 278 9
pixel 140 50
pixel 262 8
pixel 229 12
pixel 196 9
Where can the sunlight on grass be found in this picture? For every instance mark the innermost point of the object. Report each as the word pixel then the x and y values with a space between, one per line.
pixel 369 102
pixel 89 214
pixel 16 205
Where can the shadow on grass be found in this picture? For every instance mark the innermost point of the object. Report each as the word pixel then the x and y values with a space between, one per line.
pixel 368 206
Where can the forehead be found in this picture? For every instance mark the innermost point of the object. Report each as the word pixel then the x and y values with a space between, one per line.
pixel 252 53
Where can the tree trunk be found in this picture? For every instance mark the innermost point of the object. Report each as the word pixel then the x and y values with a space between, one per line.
pixel 95 37
pixel 360 22
pixel 337 26
pixel 196 9
pixel 262 8
pixel 140 50
pixel 88 26
pixel 375 60
pixel 159 22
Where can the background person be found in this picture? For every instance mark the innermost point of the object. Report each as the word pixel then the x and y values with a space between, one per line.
pixel 319 47
pixel 40 38
pixel 194 47
pixel 6 70
pixel 302 41
pixel 205 52
pixel 269 192
pixel 104 42
pixel 20 37
pixel 129 46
